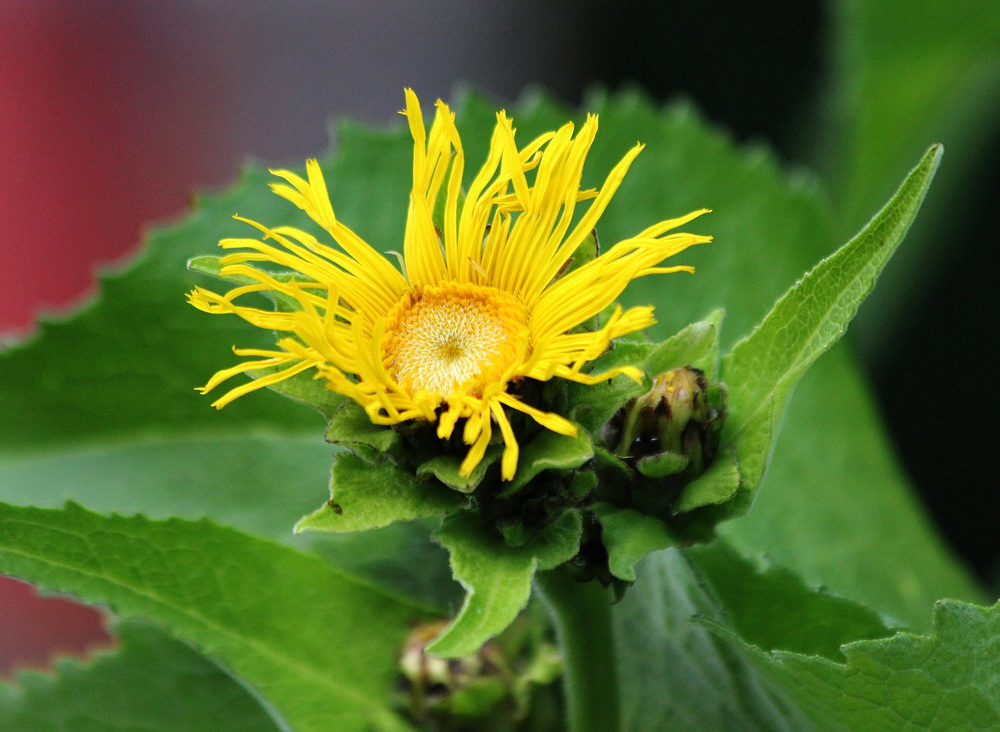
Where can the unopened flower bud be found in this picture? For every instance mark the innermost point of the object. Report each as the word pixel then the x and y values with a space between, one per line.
pixel 675 426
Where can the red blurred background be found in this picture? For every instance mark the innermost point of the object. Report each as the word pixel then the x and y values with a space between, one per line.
pixel 82 172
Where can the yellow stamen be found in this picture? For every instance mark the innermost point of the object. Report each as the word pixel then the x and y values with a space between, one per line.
pixel 454 336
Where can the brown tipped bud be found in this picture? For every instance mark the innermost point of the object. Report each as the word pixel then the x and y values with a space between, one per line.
pixel 675 426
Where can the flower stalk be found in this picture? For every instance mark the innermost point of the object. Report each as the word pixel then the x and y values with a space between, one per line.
pixel 581 612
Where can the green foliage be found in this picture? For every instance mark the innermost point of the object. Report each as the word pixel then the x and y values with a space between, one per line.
pixel 744 664
pixel 367 497
pixel 811 317
pixel 948 680
pixel 320 647
pixel 496 576
pixel 263 629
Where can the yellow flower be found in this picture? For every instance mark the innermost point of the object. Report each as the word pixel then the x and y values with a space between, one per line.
pixel 480 305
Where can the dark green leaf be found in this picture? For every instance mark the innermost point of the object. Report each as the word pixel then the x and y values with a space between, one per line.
pixel 771 608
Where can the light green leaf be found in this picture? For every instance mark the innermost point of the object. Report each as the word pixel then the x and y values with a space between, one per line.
pixel 257 483
pixel 716 485
pixel 497 578
pixel 364 496
pixel 696 345
pixel 149 682
pixel 320 647
pixel 351 427
pixel 447 469
pixel 629 536
pixel 662 464
pixel 806 321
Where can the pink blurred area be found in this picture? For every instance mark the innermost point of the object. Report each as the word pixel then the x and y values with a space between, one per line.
pixel 101 130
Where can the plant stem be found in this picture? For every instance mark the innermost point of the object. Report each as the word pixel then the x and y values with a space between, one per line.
pixel 582 615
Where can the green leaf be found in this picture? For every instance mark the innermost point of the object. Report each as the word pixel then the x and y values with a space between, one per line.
pixel 949 680
pixel 629 536
pixel 497 578
pixel 137 686
pixel 364 496
pixel 320 647
pixel 703 640
pixel 401 558
pixel 258 483
pixel 662 464
pixel 762 369
pixel 695 345
pixel 351 427
pixel 550 451
pixel 716 485
pixel 759 602
pixel 447 469
pixel 212 266
pixel 677 674
pixel 588 251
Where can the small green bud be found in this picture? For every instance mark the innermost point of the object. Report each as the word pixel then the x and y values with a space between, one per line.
pixel 674 426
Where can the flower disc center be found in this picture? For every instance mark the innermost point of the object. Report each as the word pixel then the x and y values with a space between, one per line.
pixel 453 336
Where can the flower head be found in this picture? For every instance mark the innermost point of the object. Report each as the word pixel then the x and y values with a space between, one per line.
pixel 483 301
